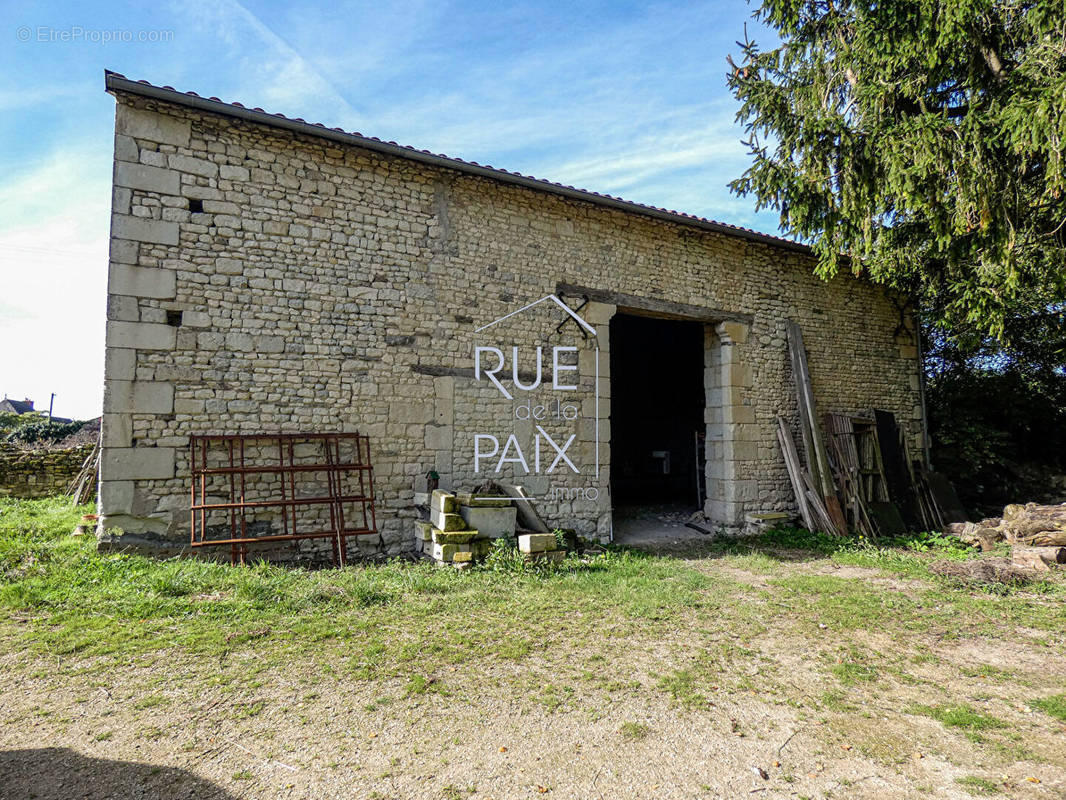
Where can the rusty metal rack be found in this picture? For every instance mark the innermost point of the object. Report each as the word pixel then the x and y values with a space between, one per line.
pixel 238 480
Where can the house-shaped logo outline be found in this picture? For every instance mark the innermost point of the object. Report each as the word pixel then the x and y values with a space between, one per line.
pixel 586 327
pixel 577 318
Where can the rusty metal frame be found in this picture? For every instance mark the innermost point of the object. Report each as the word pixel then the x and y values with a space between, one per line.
pixel 231 449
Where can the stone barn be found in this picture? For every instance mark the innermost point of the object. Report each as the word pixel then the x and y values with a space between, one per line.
pixel 275 283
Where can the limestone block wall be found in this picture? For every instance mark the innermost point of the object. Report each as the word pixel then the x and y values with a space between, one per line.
pixel 39 473
pixel 264 280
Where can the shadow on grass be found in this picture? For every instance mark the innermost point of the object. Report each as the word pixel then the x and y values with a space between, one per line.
pixel 57 773
pixel 781 544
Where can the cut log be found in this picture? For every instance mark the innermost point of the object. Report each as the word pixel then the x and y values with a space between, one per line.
pixel 1034 525
pixel 1040 559
pixel 988 538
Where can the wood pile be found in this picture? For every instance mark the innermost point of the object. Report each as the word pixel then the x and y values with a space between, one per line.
pixel 1036 533
pixel 83 488
pixel 858 476
pixel 813 484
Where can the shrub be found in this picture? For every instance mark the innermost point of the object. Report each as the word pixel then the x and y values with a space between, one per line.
pixel 43 431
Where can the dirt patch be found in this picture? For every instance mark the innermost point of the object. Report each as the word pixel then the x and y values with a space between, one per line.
pixel 751 699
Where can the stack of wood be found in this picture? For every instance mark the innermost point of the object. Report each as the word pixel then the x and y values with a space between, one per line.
pixel 860 476
pixel 1036 533
pixel 83 488
pixel 812 483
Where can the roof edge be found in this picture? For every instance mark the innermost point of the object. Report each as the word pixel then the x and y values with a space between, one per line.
pixel 115 82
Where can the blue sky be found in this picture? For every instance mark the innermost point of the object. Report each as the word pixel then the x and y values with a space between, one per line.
pixel 626 99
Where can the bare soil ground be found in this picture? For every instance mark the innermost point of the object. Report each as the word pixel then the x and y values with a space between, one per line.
pixel 704 708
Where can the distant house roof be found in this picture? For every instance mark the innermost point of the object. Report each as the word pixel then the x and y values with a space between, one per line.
pixel 115 82
pixel 16 406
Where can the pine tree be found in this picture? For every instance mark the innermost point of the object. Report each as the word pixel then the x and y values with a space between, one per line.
pixel 919 142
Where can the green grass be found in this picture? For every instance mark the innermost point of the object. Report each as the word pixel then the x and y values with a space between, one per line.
pixel 386 615
pixel 850 673
pixel 1054 705
pixel 909 555
pixel 634 731
pixel 962 716
pixel 978 786
pixel 416 621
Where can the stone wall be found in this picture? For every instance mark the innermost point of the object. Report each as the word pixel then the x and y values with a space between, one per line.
pixel 267 280
pixel 39 473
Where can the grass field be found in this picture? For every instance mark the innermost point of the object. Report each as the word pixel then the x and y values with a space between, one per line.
pixel 836 668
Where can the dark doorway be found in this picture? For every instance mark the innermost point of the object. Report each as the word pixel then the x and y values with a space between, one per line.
pixel 657 402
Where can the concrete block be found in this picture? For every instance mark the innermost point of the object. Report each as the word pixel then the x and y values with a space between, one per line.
pixel 139 397
pixel 423 531
pixel 141 281
pixel 115 497
pixel 447 552
pixel 491 522
pixel 443 501
pixel 445 521
pixel 138 229
pixel 116 430
pixel 452 537
pixel 146 178
pixel 536 542
pixel 137 463
pixel 420 499
pixel 482 501
pixel 120 364
pixel 140 335
pixel 153 126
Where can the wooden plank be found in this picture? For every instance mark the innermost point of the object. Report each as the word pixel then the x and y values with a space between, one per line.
pixel 792 465
pixel 821 471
